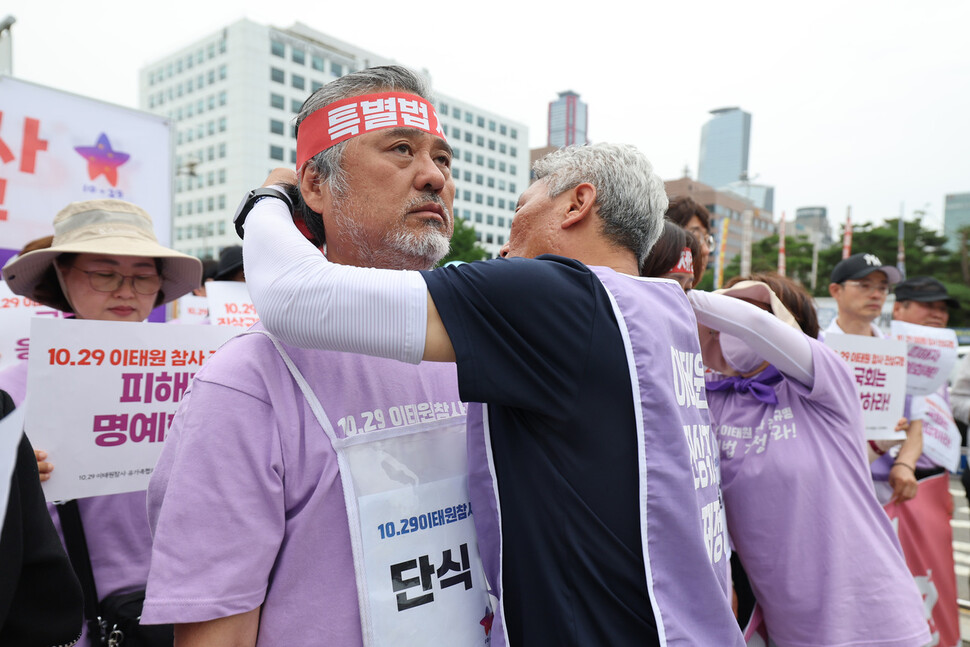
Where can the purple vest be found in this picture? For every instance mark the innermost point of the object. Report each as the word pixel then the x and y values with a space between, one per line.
pixel 682 530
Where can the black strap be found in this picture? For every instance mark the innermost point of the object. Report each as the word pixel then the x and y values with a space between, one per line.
pixel 77 550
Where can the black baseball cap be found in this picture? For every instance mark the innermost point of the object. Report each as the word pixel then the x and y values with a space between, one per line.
pixel 859 266
pixel 924 289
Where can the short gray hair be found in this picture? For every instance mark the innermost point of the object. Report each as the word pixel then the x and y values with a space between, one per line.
pixel 630 196
pixel 328 164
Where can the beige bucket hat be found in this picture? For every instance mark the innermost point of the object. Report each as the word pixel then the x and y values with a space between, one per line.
pixel 104 227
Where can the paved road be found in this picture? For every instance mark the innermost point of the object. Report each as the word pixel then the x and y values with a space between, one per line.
pixel 961 552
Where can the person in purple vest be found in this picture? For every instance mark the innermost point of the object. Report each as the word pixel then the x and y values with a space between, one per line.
pixel 592 468
pixel 823 561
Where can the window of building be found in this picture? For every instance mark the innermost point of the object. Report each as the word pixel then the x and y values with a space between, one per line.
pixel 299 56
pixel 222 72
pixel 466 196
pixel 336 69
pixel 468 176
pixel 222 205
pixel 489 219
pixel 298 82
pixel 469 118
pixel 501 219
pixel 212 77
pixel 222 176
pixel 501 166
pixel 292 156
pixel 491 144
pixel 222 124
pixel 478 178
pixel 276 101
pixel 468 137
pixel 456 112
pixel 212 127
pixel 490 201
pixel 500 240
pixel 188 211
pixel 478 198
pixel 443 108
pixel 514 133
pixel 222 150
pixel 491 162
pixel 316 85
pixel 211 153
pixel 276 153
pixel 468 156
pixel 511 187
pixel 480 141
pixel 222 98
pixel 222 46
pixel 489 238
pixel 480 160
pixel 211 50
pixel 317 63
pixel 211 203
pixel 491 125
pixel 478 216
pixel 456 132
pixel 502 130
pixel 295 105
pixel 491 182
pixel 276 48
pixel 212 101
pixel 512 169
pixel 276 126
pixel 277 75
pixel 481 122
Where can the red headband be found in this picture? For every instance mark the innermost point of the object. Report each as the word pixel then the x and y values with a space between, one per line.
pixel 686 263
pixel 341 120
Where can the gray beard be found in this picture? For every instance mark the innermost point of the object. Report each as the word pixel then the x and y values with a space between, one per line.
pixel 400 249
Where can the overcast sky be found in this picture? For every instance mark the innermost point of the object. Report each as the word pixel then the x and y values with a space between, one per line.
pixel 857 103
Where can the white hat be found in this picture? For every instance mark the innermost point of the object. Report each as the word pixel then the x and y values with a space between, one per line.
pixel 103 227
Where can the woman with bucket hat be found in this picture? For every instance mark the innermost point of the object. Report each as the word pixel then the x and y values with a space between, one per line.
pixel 104 263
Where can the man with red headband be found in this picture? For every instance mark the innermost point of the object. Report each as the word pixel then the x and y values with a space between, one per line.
pixel 593 473
pixel 314 497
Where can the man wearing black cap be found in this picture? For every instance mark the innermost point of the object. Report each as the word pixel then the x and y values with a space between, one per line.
pixel 859 286
pixel 923 300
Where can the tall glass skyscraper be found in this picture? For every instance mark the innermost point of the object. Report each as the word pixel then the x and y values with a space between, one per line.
pixel 956 215
pixel 724 147
pixel 567 120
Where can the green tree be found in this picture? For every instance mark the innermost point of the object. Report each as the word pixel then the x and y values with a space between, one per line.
pixel 464 244
pixel 764 258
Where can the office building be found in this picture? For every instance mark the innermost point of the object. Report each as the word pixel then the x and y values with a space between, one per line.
pixel 568 121
pixel 721 205
pixel 232 98
pixel 725 140
pixel 956 215
pixel 811 221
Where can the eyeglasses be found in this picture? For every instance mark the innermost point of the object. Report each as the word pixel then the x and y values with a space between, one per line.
pixel 866 286
pixel 102 281
pixel 703 238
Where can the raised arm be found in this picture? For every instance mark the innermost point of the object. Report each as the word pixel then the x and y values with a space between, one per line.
pixel 307 301
pixel 786 348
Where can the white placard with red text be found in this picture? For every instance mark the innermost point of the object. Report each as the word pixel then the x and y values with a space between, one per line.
pixel 878 367
pixel 941 438
pixel 57 148
pixel 102 395
pixel 15 314
pixel 191 309
pixel 930 355
pixel 230 304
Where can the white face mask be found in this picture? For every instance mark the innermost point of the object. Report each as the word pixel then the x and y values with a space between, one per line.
pixel 739 355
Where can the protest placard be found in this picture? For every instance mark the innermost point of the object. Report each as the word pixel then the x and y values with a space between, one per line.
pixel 878 367
pixel 191 309
pixel 930 355
pixel 941 438
pixel 230 304
pixel 15 314
pixel 102 395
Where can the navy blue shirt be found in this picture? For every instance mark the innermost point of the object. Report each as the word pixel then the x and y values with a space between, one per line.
pixel 538 342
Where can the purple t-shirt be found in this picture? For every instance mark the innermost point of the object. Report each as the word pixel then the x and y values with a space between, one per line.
pixel 246 501
pixel 115 526
pixel 821 555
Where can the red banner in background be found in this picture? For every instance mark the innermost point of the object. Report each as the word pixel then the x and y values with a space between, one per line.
pixel 923 526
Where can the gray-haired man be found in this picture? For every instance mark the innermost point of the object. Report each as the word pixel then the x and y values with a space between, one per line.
pixel 313 497
pixel 592 466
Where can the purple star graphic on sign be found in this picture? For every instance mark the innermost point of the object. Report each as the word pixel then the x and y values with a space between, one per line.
pixel 102 160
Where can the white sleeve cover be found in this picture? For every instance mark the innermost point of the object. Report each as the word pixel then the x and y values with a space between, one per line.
pixel 785 347
pixel 307 301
